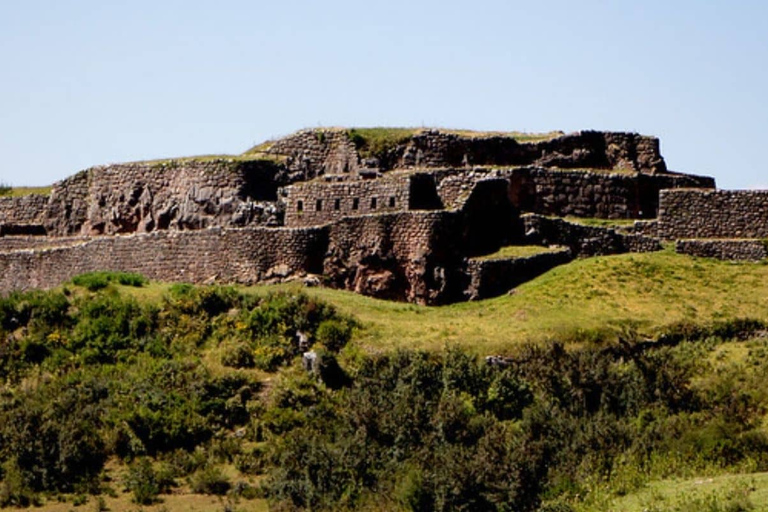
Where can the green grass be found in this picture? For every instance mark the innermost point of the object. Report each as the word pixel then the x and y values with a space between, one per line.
pixel 25 191
pixel 601 223
pixel 586 300
pixel 245 157
pixel 518 136
pixel 516 251
pixel 260 148
pixel 594 170
pixel 181 500
pixel 698 494
pixel 375 141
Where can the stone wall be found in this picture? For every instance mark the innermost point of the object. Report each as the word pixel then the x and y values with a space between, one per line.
pixel 584 240
pixel 319 202
pixel 22 210
pixel 594 194
pixel 19 242
pixel 734 250
pixel 413 256
pixel 407 256
pixel 143 197
pixel 578 193
pixel 22 215
pixel 246 255
pixel 493 277
pixel 713 214
pixel 589 149
pixel 311 153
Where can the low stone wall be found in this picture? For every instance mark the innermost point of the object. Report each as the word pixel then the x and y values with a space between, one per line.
pixel 493 277
pixel 318 202
pixel 734 250
pixel 15 243
pixel 245 256
pixel 413 256
pixel 713 214
pixel 584 240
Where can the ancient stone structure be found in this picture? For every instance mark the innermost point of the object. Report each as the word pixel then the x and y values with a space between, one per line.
pixel 724 249
pixel 690 213
pixel 398 214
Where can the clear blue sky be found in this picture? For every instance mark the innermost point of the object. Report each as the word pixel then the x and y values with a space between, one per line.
pixel 88 82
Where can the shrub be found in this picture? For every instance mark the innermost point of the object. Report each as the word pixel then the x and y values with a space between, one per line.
pixel 210 480
pixel 238 355
pixel 334 334
pixel 94 281
pixel 54 449
pixel 141 481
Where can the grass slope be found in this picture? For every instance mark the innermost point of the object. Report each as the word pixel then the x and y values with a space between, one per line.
pixel 697 494
pixel 24 191
pixel 594 299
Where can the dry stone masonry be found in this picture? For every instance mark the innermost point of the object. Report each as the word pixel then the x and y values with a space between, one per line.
pixel 399 214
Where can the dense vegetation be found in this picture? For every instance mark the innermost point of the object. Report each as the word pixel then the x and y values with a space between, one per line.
pixel 169 381
pixel 204 388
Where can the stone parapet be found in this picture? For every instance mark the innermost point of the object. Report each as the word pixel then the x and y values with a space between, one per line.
pixel 695 213
pixel 493 277
pixel 584 240
pixel 734 250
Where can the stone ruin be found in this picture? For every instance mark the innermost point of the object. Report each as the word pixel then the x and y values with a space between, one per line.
pixel 425 216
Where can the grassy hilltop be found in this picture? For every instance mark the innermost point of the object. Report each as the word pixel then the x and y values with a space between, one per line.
pixel 635 382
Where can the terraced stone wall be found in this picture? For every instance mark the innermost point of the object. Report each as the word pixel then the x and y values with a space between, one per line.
pixel 246 255
pixel 691 213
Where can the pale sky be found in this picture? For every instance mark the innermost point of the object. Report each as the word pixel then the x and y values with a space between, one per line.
pixel 88 82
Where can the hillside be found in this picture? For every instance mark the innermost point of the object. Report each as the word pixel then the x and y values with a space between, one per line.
pixel 590 300
pixel 387 320
pixel 191 393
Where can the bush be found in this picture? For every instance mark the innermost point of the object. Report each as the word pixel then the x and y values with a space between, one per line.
pixel 141 481
pixel 238 355
pixel 53 449
pixel 94 281
pixel 334 334
pixel 210 480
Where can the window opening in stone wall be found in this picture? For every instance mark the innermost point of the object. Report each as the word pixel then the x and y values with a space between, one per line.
pixel 391 202
pixel 300 206
pixel 373 203
pixel 336 204
pixel 319 205
pixel 355 203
